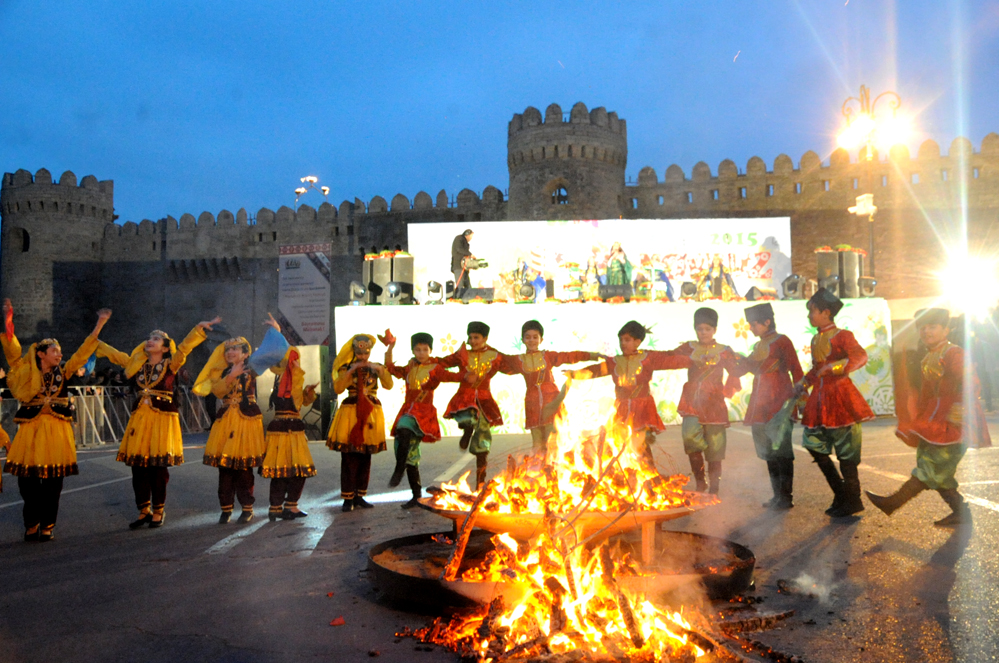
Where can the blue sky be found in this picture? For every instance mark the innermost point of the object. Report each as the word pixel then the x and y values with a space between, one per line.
pixel 210 106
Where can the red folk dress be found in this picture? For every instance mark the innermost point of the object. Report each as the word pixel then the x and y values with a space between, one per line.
pixel 941 411
pixel 632 374
pixel 483 364
pixel 536 367
pixel 421 381
pixel 705 391
pixel 772 359
pixel 835 401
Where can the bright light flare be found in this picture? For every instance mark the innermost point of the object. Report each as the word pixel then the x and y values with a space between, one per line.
pixel 300 190
pixel 881 133
pixel 970 284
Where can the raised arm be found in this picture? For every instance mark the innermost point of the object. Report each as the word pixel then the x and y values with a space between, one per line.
pixel 89 345
pixel 11 346
pixel 195 338
pixel 575 357
pixel 113 355
pixel 599 370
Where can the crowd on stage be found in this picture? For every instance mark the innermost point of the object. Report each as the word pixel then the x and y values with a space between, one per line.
pixel 829 407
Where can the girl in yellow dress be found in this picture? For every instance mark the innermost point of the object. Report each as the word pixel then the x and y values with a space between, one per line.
pixel 236 442
pixel 152 442
pixel 358 429
pixel 288 461
pixel 43 451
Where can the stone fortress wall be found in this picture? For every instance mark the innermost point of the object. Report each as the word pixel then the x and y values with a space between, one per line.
pixel 63 255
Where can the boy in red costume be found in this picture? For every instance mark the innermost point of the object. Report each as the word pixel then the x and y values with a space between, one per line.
pixel 536 367
pixel 632 372
pixel 473 406
pixel 417 418
pixel 835 407
pixel 937 427
pixel 702 403
pixel 772 360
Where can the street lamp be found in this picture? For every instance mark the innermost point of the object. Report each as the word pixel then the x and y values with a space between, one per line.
pixel 311 181
pixel 865 128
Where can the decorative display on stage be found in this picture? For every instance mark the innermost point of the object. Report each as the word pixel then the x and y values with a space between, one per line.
pixel 594 326
pixel 304 293
pixel 575 258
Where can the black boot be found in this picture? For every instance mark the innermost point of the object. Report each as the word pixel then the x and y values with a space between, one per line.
pixel 892 503
pixel 481 463
pixel 401 453
pixel 413 474
pixel 697 469
pixel 961 514
pixel 714 476
pixel 785 468
pixel 851 504
pixel 466 437
pixel 833 478
pixel 773 469
pixel 361 503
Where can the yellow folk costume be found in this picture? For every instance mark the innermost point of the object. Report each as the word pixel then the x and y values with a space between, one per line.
pixel 236 441
pixel 288 461
pixel 152 440
pixel 43 450
pixel 358 429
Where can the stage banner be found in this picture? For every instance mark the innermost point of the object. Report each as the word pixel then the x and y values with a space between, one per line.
pixel 577 254
pixel 593 326
pixel 304 293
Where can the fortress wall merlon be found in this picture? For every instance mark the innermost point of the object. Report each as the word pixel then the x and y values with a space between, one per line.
pixel 23 193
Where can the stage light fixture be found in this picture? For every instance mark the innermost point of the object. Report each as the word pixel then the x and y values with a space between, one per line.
pixel 527 291
pixel 435 292
pixel 375 289
pixel 867 285
pixel 448 289
pixel 793 287
pixel 688 289
pixel 357 293
pixel 830 283
pixel 393 289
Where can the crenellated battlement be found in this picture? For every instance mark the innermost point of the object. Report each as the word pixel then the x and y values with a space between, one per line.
pixel 24 193
pixel 897 180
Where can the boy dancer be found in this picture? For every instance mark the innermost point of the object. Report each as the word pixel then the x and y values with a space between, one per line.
pixel 835 408
pixel 937 429
pixel 772 359
pixel 536 367
pixel 702 403
pixel 473 406
pixel 417 418
pixel 632 372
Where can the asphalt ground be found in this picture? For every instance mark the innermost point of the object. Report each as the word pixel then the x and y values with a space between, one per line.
pixel 870 588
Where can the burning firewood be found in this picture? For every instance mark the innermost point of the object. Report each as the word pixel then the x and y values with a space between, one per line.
pixel 756 623
pixel 454 561
pixel 622 601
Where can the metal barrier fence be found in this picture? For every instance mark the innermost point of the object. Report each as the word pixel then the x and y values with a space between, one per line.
pixel 100 414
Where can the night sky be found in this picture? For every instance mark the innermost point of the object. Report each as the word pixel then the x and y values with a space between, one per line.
pixel 209 106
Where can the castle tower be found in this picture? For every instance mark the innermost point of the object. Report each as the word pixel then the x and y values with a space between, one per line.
pixel 566 170
pixel 52 234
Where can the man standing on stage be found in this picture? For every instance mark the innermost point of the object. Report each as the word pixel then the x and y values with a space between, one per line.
pixel 459 251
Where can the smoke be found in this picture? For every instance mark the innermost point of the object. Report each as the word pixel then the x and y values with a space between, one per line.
pixel 819 586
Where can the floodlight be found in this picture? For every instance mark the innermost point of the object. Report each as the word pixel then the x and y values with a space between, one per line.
pixel 436 293
pixel 688 289
pixel 357 293
pixel 393 289
pixel 793 287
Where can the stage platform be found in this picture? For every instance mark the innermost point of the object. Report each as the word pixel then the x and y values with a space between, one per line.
pixel 593 326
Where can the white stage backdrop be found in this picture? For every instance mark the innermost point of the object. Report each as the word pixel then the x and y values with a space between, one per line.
pixel 755 251
pixel 594 326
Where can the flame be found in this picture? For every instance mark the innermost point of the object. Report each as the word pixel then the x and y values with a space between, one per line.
pixel 571 600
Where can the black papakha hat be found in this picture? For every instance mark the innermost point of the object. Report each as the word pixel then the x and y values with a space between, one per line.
pixel 932 316
pixel 476 327
pixel 824 300
pixel 532 324
pixel 759 313
pixel 422 337
pixel 706 316
pixel 634 330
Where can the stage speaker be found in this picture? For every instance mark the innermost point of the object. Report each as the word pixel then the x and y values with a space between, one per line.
pixel 793 287
pixel 403 273
pixel 472 293
pixel 688 289
pixel 851 267
pixel 755 294
pixel 830 283
pixel 608 291
pixel 375 275
pixel 826 265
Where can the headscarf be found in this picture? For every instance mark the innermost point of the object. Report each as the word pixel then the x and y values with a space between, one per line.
pixel 364 407
pixel 139 355
pixel 292 380
pixel 25 377
pixel 216 365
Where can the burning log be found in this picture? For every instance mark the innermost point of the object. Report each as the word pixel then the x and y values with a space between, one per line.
pixel 756 623
pixel 454 561
pixel 623 604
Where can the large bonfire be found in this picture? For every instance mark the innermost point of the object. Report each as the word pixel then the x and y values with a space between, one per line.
pixel 572 606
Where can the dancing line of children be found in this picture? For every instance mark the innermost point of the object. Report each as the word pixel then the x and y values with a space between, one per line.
pixel 43 451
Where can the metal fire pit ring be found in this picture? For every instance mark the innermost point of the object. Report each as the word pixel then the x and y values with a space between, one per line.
pixel 406 571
